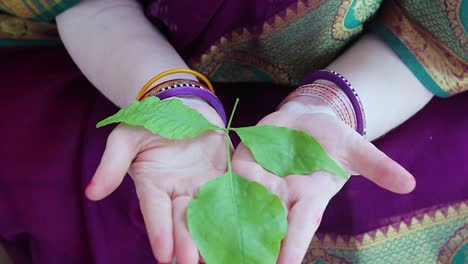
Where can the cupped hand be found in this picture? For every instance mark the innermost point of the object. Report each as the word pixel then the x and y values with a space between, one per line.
pixel 306 196
pixel 167 174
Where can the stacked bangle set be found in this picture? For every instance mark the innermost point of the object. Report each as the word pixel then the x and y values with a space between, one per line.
pixel 339 95
pixel 184 87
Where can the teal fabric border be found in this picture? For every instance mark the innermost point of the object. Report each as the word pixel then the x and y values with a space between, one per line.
pixel 38 17
pixel 463 14
pixel 63 5
pixel 408 58
pixel 46 15
pixel 29 42
pixel 350 20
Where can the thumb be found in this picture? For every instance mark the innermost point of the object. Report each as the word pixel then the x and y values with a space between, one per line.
pixel 115 162
pixel 373 164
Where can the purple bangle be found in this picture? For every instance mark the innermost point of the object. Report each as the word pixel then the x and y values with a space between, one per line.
pixel 198 92
pixel 346 87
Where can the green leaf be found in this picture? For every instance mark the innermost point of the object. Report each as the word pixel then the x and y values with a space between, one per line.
pixel 169 118
pixel 236 221
pixel 285 151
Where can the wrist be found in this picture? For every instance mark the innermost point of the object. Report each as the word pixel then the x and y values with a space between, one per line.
pixel 322 98
pixel 192 100
pixel 184 88
pixel 335 90
pixel 306 105
pixel 201 106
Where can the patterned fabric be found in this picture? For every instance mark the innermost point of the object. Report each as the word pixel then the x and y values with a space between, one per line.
pixel 293 42
pixel 27 22
pixel 431 38
pixel 288 45
pixel 38 10
pixel 43 175
pixel 431 236
pixel 288 41
pixel 273 41
pixel 16 31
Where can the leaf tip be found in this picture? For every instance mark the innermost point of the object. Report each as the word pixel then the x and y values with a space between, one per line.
pixel 105 122
pixel 101 124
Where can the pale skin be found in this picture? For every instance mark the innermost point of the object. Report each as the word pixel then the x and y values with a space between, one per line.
pixel 118 60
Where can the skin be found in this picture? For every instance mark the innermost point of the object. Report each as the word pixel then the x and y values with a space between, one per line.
pixel 165 185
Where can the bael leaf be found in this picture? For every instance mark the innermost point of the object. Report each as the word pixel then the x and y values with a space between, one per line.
pixel 236 221
pixel 169 119
pixel 285 151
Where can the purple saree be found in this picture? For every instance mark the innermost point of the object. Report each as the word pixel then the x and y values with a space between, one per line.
pixel 51 148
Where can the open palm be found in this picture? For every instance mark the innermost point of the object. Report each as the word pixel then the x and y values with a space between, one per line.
pixel 306 196
pixel 167 174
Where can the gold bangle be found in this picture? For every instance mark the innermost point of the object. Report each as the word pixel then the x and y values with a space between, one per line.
pixel 169 72
pixel 176 83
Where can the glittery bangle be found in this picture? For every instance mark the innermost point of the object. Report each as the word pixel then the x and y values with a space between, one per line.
pixel 173 84
pixel 206 95
pixel 346 87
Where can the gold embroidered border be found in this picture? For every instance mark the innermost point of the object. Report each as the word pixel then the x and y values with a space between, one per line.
pixel 453 7
pixel 453 245
pixel 17 28
pixel 448 70
pixel 339 29
pixel 370 247
pixel 280 75
pixel 20 7
pixel 17 8
pixel 269 27
pixel 392 231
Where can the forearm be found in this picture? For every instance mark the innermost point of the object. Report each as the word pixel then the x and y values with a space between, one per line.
pixel 389 91
pixel 116 47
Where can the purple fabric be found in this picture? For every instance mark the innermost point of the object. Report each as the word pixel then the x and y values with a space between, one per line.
pixel 49 153
pixel 344 85
pixel 198 92
pixel 51 149
pixel 194 27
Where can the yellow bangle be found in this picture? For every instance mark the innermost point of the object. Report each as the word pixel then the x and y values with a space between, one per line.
pixel 169 72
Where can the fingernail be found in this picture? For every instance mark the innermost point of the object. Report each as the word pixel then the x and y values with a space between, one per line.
pixel 88 190
pixel 90 184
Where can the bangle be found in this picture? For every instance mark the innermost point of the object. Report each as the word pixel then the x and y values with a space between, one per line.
pixel 206 95
pixel 346 87
pixel 329 95
pixel 173 84
pixel 169 72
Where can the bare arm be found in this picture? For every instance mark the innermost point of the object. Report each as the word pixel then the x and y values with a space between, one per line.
pixel 389 91
pixel 118 50
pixel 116 47
pixel 390 95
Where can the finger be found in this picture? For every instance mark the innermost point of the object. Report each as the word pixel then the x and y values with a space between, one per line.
pixel 156 207
pixel 303 220
pixel 354 152
pixel 367 160
pixel 114 165
pixel 185 250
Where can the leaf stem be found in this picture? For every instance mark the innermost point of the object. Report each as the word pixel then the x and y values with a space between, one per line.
pixel 228 128
pixel 232 114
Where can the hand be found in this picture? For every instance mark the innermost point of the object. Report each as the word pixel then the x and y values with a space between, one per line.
pixel 306 196
pixel 167 174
